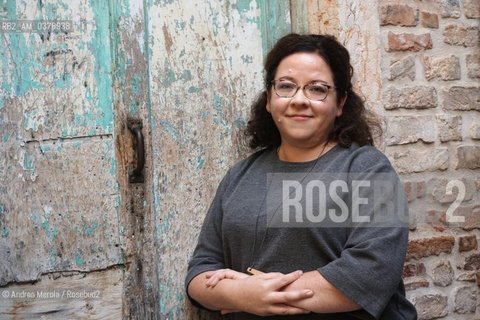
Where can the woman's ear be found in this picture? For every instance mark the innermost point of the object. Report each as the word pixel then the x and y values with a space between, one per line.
pixel 268 103
pixel 340 105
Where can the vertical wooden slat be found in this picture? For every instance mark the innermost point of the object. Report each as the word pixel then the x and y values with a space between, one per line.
pixel 275 21
pixel 299 12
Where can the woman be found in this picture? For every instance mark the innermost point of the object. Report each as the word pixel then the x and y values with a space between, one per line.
pixel 307 122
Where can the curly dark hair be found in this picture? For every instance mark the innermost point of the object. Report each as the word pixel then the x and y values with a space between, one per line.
pixel 354 125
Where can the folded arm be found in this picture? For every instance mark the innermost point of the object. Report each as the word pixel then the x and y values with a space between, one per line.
pixel 261 295
pixel 325 298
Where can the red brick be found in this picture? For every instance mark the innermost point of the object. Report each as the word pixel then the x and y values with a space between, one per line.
pixel 419 248
pixel 469 276
pixel 429 20
pixel 442 274
pixel 471 9
pixel 408 187
pixel 472 217
pixel 461 35
pixel 462 98
pixel 449 8
pixel 473 65
pixel 465 300
pixel 415 283
pixel 468 157
pixel 431 306
pixel 421 186
pixel 409 42
pixel 472 262
pixel 413 269
pixel 398 15
pixel 467 243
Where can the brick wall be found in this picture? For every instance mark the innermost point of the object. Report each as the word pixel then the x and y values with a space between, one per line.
pixel 417 63
pixel 430 64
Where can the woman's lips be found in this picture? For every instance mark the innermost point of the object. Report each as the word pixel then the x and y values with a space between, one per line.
pixel 299 117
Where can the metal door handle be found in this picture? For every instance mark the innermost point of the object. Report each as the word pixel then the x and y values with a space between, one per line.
pixel 136 175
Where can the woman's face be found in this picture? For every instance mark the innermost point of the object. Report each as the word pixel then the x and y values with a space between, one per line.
pixel 301 121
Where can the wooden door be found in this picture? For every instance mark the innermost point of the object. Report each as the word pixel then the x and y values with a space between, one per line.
pixel 69 218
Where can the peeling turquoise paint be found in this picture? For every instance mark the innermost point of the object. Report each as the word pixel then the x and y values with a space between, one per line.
pixel 273 22
pixel 2 209
pixel 215 24
pixel 28 164
pixel 89 229
pixel 180 25
pixel 161 302
pixel 186 75
pixel 100 48
pixel 246 6
pixel 240 123
pixel 79 262
pixel 113 162
pixel 51 233
pixel 52 258
pixel 118 201
pixel 163 3
pixel 194 89
pixel 5 231
pixel 246 58
pixel 170 129
pixel 31 120
pixel 218 102
pixel 64 82
pixel 17 77
pixel 52 10
pixel 165 225
pixel 135 82
pixel 243 6
pixel 219 118
pixel 170 78
pixel 6 136
pixel 200 162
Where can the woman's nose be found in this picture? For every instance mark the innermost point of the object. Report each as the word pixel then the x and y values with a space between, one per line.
pixel 300 98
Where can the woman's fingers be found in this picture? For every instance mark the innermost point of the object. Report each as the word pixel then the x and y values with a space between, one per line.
pixel 289 278
pixel 291 296
pixel 216 276
pixel 282 309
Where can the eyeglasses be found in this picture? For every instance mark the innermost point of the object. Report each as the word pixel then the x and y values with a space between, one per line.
pixel 315 91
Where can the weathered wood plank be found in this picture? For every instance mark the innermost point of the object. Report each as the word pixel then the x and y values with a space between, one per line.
pixel 59 208
pixel 73 295
pixel 59 197
pixel 60 82
pixel 205 69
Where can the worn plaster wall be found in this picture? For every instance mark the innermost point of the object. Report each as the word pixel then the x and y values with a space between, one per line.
pixel 417 65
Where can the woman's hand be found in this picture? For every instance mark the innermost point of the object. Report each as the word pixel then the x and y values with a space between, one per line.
pixel 261 294
pixel 215 276
pixel 264 296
